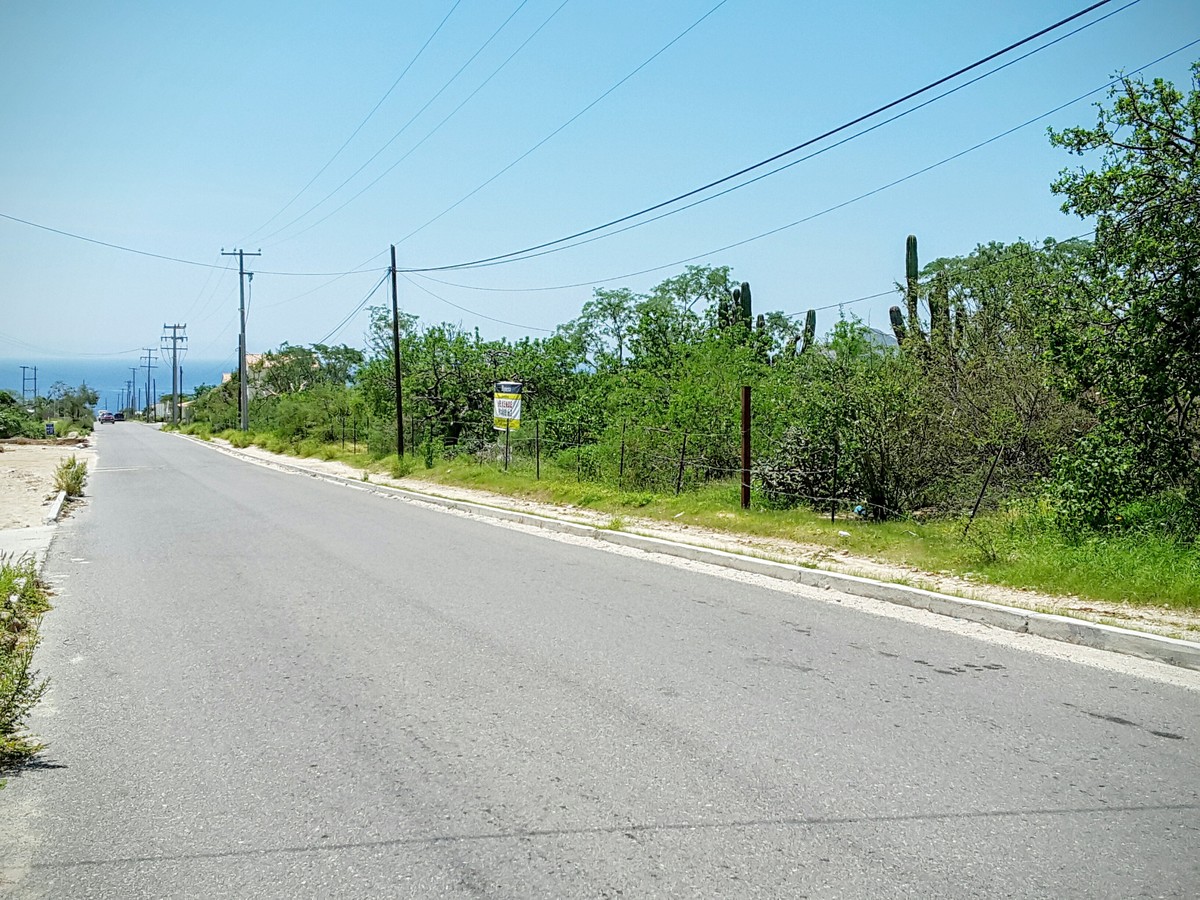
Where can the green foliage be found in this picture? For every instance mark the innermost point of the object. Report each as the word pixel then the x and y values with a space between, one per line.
pixel 1123 332
pixel 1091 481
pixel 856 430
pixel 15 419
pixel 71 476
pixel 22 602
pixel 292 369
pixel 71 404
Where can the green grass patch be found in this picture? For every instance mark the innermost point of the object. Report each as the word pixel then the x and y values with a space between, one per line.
pixel 1013 549
pixel 23 601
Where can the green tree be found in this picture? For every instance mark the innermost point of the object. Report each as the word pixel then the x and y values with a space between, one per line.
pixel 71 403
pixel 1126 331
pixel 604 325
pixel 15 420
pixel 292 368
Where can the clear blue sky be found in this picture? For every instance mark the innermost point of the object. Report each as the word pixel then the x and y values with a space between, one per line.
pixel 181 129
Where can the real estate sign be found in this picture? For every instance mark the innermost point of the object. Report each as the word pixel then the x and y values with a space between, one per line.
pixel 506 406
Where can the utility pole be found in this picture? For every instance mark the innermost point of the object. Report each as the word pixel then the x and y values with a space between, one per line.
pixel 25 380
pixel 146 363
pixel 396 354
pixel 129 395
pixel 133 389
pixel 176 338
pixel 243 393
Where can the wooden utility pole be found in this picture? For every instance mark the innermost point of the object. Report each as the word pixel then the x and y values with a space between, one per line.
pixel 147 364
pixel 243 393
pixel 176 338
pixel 396 356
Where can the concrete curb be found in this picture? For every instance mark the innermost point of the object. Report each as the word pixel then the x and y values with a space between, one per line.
pixel 1184 654
pixel 56 508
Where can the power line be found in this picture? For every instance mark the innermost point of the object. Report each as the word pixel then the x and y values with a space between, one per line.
pixel 421 287
pixel 175 259
pixel 826 210
pixel 9 339
pixel 361 124
pixel 403 128
pixel 736 187
pixel 565 124
pixel 758 165
pixel 429 134
pixel 342 324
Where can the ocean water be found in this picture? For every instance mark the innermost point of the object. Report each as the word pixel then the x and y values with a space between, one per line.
pixel 107 376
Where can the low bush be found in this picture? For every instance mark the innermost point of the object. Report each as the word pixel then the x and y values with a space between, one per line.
pixel 22 603
pixel 71 476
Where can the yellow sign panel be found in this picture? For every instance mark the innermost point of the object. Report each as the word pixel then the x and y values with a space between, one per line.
pixel 506 412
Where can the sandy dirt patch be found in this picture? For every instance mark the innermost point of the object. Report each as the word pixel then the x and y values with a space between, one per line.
pixel 1157 620
pixel 27 478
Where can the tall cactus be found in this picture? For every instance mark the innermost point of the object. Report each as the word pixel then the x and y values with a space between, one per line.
pixel 896 315
pixel 810 331
pixel 940 337
pixel 803 341
pixel 737 309
pixel 744 310
pixel 912 271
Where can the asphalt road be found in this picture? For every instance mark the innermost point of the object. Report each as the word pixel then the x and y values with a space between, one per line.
pixel 267 685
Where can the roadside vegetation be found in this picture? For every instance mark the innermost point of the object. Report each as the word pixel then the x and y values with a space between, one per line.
pixel 1030 418
pixel 23 601
pixel 71 476
pixel 70 410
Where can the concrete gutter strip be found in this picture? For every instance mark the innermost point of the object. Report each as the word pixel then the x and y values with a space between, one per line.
pixel 1184 654
pixel 56 508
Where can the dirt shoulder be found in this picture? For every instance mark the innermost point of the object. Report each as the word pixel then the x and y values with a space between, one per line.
pixel 1156 620
pixel 27 469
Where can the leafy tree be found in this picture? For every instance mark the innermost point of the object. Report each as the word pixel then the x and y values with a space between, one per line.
pixel 294 368
pixel 1126 331
pixel 71 403
pixel 604 325
pixel 15 421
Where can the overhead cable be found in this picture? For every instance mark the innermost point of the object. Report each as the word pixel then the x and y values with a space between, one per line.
pixel 795 162
pixel 826 210
pixel 765 162
pixel 354 133
pixel 342 324
pixel 429 134
pixel 569 121
pixel 473 312
pixel 404 127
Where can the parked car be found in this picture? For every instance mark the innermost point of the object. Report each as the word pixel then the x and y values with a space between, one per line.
pixel 106 418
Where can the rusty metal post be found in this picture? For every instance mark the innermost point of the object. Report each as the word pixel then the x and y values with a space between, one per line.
pixel 746 446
